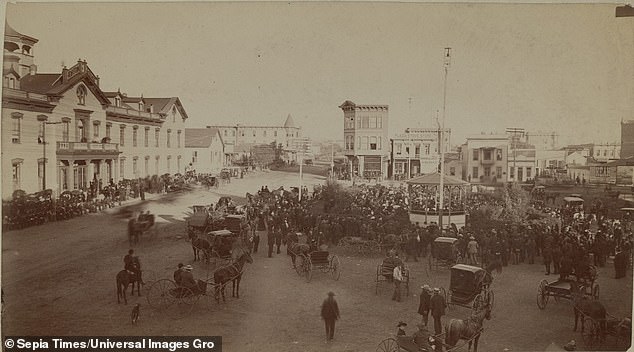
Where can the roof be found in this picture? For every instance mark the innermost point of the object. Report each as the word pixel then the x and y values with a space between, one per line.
pixel 463 267
pixel 199 137
pixel 289 123
pixel 220 233
pixel 434 179
pixel 446 239
pixel 10 32
pixel 38 83
pixel 572 199
pixel 622 162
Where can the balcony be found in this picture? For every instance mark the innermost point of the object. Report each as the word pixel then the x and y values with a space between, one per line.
pixel 487 161
pixel 118 111
pixel 90 149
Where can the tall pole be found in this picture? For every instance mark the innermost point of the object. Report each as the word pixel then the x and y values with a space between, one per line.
pixel 332 160
pixel 447 63
pixel 409 144
pixel 42 119
pixel 301 161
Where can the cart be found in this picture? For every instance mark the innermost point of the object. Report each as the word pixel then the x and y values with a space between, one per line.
pixel 321 260
pixel 469 287
pixel 562 288
pixel 167 297
pixel 618 328
pixel 222 243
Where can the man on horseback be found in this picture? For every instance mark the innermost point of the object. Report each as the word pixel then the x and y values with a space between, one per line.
pixel 132 264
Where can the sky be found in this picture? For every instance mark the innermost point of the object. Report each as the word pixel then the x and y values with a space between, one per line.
pixel 543 67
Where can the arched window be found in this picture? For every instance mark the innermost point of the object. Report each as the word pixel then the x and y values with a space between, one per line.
pixel 81 94
pixel 11 82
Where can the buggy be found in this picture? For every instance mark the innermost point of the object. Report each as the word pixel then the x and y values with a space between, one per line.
pixel 321 260
pixel 385 272
pixel 469 287
pixel 444 252
pixel 618 328
pixel 562 288
pixel 222 242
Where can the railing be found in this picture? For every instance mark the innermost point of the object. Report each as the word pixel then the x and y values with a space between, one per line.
pixel 16 93
pixel 83 146
pixel 487 161
pixel 132 112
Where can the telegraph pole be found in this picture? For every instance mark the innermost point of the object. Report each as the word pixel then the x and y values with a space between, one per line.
pixel 446 64
pixel 409 144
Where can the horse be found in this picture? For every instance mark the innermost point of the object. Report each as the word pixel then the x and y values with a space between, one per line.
pixel 468 329
pixel 584 306
pixel 201 245
pixel 134 231
pixel 125 278
pixel 494 265
pixel 231 273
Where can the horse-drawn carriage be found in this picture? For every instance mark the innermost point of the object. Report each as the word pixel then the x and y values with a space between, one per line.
pixel 139 225
pixel 469 287
pixel 385 273
pixel 597 330
pixel 562 288
pixel 444 252
pixel 306 258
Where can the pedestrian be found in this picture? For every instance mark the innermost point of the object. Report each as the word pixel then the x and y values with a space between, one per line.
pixel 401 329
pixel 330 314
pixel 278 239
pixel 547 254
pixel 398 278
pixel 424 305
pixel 271 240
pixel 437 305
pixel 531 249
pixel 472 250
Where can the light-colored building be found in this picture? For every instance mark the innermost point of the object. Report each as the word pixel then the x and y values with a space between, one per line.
pixel 206 150
pixel 542 140
pixel 485 159
pixel 60 131
pixel 259 134
pixel 417 148
pixel 549 162
pixel 604 152
pixel 521 163
pixel 366 139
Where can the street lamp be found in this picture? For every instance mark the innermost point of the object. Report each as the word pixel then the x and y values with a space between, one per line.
pixel 446 64
pixel 43 119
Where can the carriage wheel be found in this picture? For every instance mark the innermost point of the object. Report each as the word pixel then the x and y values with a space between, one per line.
pixel 542 296
pixel 184 303
pixel 591 333
pixel 161 294
pixel 388 345
pixel 595 292
pixel 490 299
pixel 210 294
pixel 378 277
pixel 478 302
pixel 335 267
pixel 149 277
pixel 308 267
pixel 299 264
pixel 447 295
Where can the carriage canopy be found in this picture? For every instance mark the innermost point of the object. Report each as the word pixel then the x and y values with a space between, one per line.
pixel 466 279
pixel 198 219
pixel 220 233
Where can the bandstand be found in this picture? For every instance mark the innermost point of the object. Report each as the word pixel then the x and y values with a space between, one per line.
pixel 424 200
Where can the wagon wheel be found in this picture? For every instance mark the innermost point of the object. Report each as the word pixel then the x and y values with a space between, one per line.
pixel 542 295
pixel 591 333
pixel 184 300
pixel 388 345
pixel 595 292
pixel 149 277
pixel 335 267
pixel 210 294
pixel 490 298
pixel 478 302
pixel 308 269
pixel 162 294
pixel 299 264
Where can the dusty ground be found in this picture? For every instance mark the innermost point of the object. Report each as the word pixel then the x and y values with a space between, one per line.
pixel 59 279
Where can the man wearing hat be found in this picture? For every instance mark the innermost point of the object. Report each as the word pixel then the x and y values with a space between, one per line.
pixel 188 281
pixel 398 278
pixel 437 305
pixel 418 342
pixel 330 314
pixel 178 273
pixel 401 328
pixel 423 307
pixel 472 251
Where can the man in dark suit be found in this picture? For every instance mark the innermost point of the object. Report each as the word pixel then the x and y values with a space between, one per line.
pixel 330 314
pixel 423 307
pixel 437 306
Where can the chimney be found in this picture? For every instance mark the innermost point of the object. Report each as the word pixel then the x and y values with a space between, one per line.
pixel 152 108
pixel 32 70
pixel 64 74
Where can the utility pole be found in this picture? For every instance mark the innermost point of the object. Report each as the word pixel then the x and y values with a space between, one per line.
pixel 409 144
pixel 446 64
pixel 301 161
pixel 43 119
pixel 332 160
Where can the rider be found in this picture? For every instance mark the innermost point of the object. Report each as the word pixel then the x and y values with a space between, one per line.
pixel 188 281
pixel 131 264
pixel 178 273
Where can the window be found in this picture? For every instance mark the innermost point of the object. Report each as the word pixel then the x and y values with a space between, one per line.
pixel 233 133
pixel 359 122
pixel 364 143
pixel 426 149
pixel 195 157
pixel 417 149
pixel 80 133
pixel 242 133
pixel 528 172
pixel 16 127
pixel 226 133
pixel 253 133
pixel 372 122
pixel 16 172
pixel 135 170
pixel 79 177
pixel 173 114
pixel 134 137
pixel 498 154
pixel 487 154
pixel 498 171
pixel 605 152
pixel 11 82
pixel 169 133
pixel 264 133
pixel 147 166
pixel 452 171
pixel 146 138
pixel 95 131
pixel 66 131
pixel 122 168
pixel 108 128
pixel 487 171
pixel 475 172
pixel 156 165
pixel 40 133
pixel 379 122
pixel 399 148
pixel 178 139
pixel 475 154
pixel 512 172
pixel 169 164
pixel 156 137
pixel 275 134
pixel 81 94
pixel 122 136
pixel 366 122
pixel 117 101
pixel 372 143
pixel 40 173
pixel 178 164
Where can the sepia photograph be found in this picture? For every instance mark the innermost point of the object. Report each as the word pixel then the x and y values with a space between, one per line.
pixel 317 176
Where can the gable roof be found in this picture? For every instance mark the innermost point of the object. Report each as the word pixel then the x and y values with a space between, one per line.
pixel 10 32
pixel 38 83
pixel 289 123
pixel 200 137
pixel 434 179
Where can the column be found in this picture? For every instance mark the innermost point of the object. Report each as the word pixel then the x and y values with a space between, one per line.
pixel 115 170
pixel 90 172
pixel 70 172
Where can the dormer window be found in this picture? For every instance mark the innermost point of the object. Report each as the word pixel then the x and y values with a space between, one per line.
pixel 81 94
pixel 117 102
pixel 141 106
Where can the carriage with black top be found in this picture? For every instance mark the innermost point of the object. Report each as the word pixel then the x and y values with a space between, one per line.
pixel 385 273
pixel 444 252
pixel 469 287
